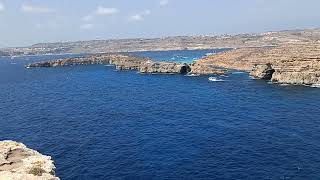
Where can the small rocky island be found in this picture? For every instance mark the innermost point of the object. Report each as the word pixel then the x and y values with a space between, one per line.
pixel 19 162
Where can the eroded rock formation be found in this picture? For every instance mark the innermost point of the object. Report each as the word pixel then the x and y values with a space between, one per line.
pixel 17 162
pixel 264 72
pixel 164 67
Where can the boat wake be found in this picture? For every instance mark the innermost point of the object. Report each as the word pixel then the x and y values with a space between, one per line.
pixel 238 72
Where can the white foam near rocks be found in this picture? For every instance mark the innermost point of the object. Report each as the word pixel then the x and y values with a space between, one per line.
pixel 223 75
pixel 315 85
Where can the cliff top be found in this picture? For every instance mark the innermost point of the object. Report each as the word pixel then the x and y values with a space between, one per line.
pixel 18 162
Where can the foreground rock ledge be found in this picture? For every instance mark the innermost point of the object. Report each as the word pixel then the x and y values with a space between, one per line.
pixel 17 162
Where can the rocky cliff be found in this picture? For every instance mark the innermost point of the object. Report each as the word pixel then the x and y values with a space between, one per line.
pixel 17 162
pixel 206 69
pixel 164 67
pixel 264 71
pixel 292 63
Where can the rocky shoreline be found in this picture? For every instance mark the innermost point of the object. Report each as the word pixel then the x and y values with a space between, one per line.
pixel 19 162
pixel 123 62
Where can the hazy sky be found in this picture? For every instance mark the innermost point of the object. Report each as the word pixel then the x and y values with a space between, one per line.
pixel 24 22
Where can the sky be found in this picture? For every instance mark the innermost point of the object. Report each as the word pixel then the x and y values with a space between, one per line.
pixel 25 22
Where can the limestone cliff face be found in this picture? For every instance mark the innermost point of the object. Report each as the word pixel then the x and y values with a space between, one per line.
pixel 164 67
pixel 262 72
pixel 296 63
pixel 206 69
pixel 17 162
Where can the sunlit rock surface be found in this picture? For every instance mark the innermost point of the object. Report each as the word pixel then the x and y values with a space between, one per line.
pixel 293 63
pixel 17 162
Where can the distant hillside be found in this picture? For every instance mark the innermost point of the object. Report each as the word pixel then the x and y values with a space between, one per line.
pixel 169 43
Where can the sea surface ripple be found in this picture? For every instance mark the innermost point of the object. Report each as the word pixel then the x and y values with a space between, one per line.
pixel 98 123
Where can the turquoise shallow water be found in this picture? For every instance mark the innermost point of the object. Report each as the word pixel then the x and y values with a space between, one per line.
pixel 182 56
pixel 98 123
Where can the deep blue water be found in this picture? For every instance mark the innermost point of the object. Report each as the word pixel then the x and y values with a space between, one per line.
pixel 98 123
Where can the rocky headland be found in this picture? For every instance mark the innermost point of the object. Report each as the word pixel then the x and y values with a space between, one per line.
pixel 164 68
pixel 17 162
pixel 292 63
pixel 121 62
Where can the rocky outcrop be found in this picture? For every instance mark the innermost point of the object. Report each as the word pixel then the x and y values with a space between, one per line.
pixel 206 69
pixel 264 72
pixel 17 162
pixel 164 67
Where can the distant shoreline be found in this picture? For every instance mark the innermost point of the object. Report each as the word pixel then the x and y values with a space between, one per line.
pixel 98 53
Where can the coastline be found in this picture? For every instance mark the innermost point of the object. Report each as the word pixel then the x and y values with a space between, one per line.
pixel 294 65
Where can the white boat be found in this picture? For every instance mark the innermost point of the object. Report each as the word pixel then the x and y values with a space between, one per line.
pixel 210 54
pixel 193 75
pixel 214 79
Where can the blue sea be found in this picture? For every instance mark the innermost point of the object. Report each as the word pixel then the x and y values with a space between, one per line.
pixel 98 123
